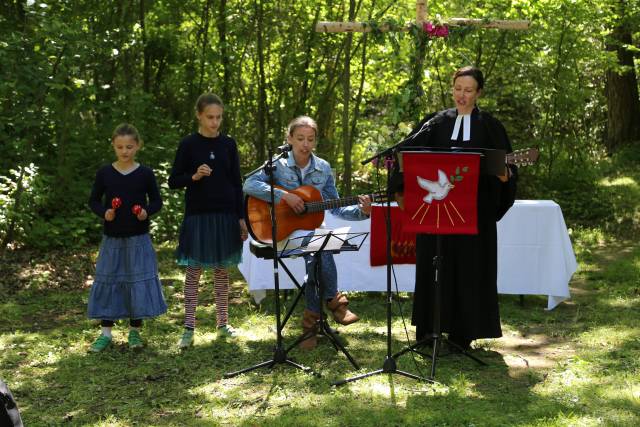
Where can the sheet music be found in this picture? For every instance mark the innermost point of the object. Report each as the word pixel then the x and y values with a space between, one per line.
pixel 334 243
pixel 294 240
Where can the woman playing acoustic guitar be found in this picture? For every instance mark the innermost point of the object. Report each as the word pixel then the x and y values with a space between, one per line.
pixel 303 167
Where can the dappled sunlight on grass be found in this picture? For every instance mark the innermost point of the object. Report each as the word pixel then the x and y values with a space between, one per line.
pixel 464 387
pixel 575 365
pixel 378 387
pixel 609 336
pixel 582 384
pixel 621 302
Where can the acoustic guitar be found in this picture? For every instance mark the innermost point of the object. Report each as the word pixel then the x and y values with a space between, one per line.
pixel 259 213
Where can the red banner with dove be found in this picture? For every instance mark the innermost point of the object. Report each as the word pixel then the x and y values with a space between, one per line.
pixel 440 193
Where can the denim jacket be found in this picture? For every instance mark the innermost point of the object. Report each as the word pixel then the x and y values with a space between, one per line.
pixel 287 175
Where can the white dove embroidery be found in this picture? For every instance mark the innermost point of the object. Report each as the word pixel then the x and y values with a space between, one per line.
pixel 437 190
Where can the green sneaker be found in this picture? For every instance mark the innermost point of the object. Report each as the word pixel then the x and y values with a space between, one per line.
pixel 135 341
pixel 225 331
pixel 187 339
pixel 100 344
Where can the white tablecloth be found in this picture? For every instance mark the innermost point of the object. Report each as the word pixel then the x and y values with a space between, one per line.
pixel 535 257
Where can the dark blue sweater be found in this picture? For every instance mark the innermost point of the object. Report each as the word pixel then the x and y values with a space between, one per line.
pixel 136 188
pixel 219 192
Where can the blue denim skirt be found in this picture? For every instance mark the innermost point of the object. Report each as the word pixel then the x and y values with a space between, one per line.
pixel 126 285
pixel 210 240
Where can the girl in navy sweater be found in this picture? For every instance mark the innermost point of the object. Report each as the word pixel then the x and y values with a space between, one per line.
pixel 213 229
pixel 125 194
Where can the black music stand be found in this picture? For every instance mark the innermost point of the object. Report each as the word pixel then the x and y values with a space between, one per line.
pixel 279 352
pixel 389 366
pixel 347 242
pixel 491 162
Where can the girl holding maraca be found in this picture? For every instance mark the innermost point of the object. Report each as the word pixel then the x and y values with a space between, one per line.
pixel 126 286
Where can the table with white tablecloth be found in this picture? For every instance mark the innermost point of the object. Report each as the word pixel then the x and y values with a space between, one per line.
pixel 535 257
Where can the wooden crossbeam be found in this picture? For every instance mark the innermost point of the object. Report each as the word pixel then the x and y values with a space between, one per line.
pixel 421 17
pixel 363 27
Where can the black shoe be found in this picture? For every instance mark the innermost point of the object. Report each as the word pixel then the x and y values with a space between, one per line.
pixel 457 344
pixel 423 343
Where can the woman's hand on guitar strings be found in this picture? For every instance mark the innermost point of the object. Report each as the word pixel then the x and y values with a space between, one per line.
pixel 295 202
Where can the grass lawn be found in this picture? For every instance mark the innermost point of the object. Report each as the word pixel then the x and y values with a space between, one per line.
pixel 576 365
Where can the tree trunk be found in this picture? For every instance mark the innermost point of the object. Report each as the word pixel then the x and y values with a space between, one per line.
pixel 64 170
pixel 126 57
pixel 346 95
pixel 358 101
pixel 301 104
pixel 224 55
pixel 262 92
pixel 417 75
pixel 205 42
pixel 326 107
pixel 623 105
pixel 146 68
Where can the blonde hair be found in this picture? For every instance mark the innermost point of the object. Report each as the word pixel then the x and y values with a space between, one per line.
pixel 302 121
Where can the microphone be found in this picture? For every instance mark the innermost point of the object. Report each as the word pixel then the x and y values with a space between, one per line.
pixel 284 148
pixel 430 123
pixel 427 126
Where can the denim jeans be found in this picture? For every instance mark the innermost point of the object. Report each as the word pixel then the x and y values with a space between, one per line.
pixel 328 275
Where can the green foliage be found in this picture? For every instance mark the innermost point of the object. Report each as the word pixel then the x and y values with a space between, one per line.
pixel 599 191
pixel 36 218
pixel 166 225
pixel 61 231
pixel 73 70
pixel 580 196
pixel 17 192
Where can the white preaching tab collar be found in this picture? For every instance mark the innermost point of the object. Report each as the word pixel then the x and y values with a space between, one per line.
pixel 466 128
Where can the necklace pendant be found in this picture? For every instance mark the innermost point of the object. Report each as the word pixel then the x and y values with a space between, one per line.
pixel 211 155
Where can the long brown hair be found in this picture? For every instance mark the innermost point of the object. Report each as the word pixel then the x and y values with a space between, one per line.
pixel 126 129
pixel 207 99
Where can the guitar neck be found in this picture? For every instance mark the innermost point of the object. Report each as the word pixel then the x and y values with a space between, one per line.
pixel 323 205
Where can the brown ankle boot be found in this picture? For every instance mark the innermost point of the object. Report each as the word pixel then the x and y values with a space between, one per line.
pixel 310 326
pixel 341 314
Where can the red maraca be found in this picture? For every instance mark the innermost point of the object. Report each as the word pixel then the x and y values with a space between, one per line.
pixel 136 209
pixel 116 202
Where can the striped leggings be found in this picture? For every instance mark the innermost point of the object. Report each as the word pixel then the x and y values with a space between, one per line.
pixel 221 286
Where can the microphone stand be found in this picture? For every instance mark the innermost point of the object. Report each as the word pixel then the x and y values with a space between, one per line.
pixel 436 338
pixel 389 365
pixel 279 352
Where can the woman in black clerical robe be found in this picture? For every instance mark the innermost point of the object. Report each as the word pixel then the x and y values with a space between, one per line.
pixel 469 304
